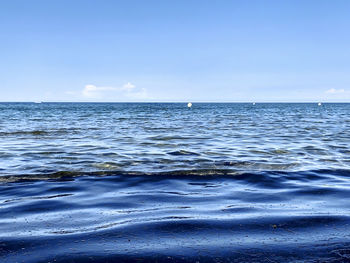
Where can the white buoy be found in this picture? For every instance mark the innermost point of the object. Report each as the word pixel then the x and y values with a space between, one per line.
pixel 189 104
pixel 319 104
pixel 253 103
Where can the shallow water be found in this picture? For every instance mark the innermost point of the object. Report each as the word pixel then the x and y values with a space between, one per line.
pixel 161 182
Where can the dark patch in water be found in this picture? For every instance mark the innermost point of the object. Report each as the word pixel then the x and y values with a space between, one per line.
pixel 19 133
pixel 183 152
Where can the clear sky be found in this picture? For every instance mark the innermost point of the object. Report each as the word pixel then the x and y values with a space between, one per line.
pixel 83 50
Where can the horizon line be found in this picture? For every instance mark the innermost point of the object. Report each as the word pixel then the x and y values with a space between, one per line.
pixel 39 102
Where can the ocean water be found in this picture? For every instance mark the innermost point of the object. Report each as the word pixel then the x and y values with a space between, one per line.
pixel 141 182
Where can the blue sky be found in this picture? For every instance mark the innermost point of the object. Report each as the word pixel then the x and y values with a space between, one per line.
pixel 188 50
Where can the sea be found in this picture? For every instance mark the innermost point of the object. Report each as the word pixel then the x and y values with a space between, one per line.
pixel 164 182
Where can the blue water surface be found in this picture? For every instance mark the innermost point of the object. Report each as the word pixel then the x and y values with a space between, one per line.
pixel 161 182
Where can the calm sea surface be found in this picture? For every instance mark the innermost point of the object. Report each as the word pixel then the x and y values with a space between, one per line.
pixel 111 182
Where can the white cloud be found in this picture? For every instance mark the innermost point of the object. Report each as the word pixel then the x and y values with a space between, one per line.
pixel 128 90
pixel 92 91
pixel 128 86
pixel 334 91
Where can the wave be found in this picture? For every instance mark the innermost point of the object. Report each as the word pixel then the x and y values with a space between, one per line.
pixel 277 216
pixel 270 176
pixel 16 133
pixel 183 152
pixel 39 132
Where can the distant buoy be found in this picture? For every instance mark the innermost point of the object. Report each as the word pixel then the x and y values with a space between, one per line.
pixel 189 104
pixel 319 104
pixel 253 103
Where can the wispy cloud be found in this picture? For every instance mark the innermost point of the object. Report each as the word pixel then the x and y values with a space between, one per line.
pixel 128 90
pixel 335 91
pixel 92 91
pixel 128 86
